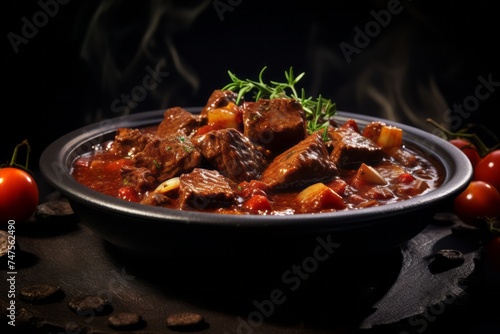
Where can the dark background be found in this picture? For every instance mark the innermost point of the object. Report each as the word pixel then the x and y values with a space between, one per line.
pixel 86 54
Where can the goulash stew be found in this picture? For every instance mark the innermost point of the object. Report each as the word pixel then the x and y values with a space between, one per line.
pixel 257 158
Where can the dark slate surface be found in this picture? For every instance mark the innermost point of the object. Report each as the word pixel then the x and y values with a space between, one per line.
pixel 394 291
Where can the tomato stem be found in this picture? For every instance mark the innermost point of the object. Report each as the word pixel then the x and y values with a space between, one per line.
pixel 472 137
pixel 13 160
pixel 493 225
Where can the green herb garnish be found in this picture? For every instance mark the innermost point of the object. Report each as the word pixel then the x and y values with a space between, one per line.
pixel 157 164
pixel 318 111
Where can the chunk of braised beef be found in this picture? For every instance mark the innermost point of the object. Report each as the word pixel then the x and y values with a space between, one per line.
pixel 305 163
pixel 130 141
pixel 218 99
pixel 176 120
pixel 275 124
pixel 203 189
pixel 231 153
pixel 141 178
pixel 350 148
pixel 156 199
pixel 168 157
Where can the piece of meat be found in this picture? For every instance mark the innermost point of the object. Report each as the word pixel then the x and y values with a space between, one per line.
pixel 168 157
pixel 140 178
pixel 231 153
pixel 350 148
pixel 203 189
pixel 276 124
pixel 130 141
pixel 176 120
pixel 305 163
pixel 155 199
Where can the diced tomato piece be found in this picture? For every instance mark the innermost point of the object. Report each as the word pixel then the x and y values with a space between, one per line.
pixel 405 178
pixel 338 185
pixel 351 123
pixel 207 128
pixel 258 204
pixel 128 193
pixel 331 200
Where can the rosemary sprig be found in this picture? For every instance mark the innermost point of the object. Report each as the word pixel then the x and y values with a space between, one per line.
pixel 318 111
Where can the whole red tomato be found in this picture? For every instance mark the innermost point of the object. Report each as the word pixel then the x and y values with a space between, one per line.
pixel 18 195
pixel 492 253
pixel 478 202
pixel 488 169
pixel 468 148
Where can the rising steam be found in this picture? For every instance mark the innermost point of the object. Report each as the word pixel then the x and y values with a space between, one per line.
pixel 389 79
pixel 124 45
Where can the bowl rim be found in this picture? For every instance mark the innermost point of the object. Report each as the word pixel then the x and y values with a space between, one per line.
pixel 55 165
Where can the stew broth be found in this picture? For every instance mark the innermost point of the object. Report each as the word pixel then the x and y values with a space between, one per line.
pixel 404 173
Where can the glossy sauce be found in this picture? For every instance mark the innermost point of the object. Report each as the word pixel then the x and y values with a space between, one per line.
pixel 100 170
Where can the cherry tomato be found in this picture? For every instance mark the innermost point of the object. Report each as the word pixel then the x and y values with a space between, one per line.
pixel 478 202
pixel 18 195
pixel 492 253
pixel 469 150
pixel 488 169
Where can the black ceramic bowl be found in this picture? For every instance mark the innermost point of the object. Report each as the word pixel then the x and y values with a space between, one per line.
pixel 156 231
